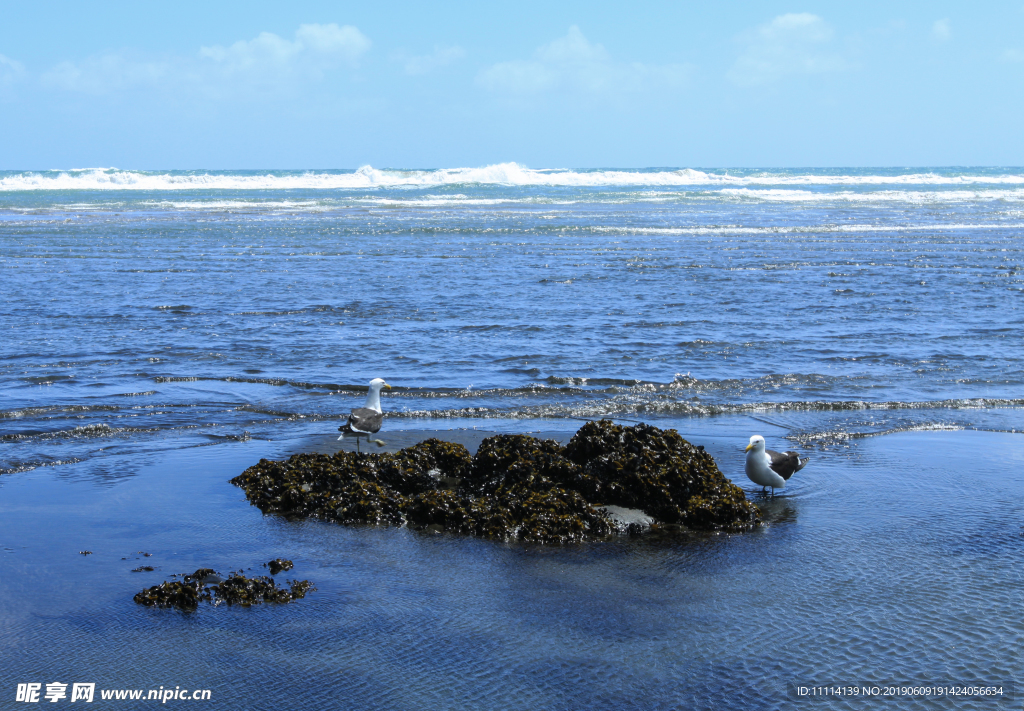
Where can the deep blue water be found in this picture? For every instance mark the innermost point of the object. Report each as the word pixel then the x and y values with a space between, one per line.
pixel 156 309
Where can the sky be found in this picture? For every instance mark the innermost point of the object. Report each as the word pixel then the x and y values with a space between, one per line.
pixel 315 85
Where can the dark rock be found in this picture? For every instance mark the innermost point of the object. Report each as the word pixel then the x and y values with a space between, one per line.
pixel 240 590
pixel 184 596
pixel 441 510
pixel 504 461
pixel 205 584
pixel 204 576
pixel 279 564
pixel 417 469
pixel 659 472
pixel 143 569
pixel 516 487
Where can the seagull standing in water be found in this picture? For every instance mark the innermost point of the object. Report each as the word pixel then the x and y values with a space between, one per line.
pixel 365 421
pixel 768 468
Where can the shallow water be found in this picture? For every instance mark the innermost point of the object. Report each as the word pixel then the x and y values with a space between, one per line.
pixel 163 331
pixel 894 561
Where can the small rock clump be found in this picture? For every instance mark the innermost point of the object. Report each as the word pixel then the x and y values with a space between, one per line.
pixel 516 487
pixel 180 594
pixel 206 585
pixel 279 564
pixel 240 590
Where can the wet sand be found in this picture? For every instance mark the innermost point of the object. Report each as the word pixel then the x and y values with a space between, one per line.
pixel 896 559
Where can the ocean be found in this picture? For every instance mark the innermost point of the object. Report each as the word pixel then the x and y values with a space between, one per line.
pixel 163 330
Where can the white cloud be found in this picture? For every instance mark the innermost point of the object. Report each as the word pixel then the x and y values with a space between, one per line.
pixel 795 43
pixel 315 47
pixel 266 59
pixel 941 30
pixel 574 63
pixel 10 70
pixel 442 56
pixel 105 74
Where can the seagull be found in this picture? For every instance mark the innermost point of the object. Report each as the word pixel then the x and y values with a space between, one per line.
pixel 366 421
pixel 769 468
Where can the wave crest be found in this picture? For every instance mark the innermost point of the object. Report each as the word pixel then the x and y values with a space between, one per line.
pixel 507 174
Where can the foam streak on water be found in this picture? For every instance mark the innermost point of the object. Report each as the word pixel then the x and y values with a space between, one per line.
pixel 504 174
pixel 157 309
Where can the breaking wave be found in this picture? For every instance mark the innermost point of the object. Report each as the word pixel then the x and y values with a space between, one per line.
pixel 500 174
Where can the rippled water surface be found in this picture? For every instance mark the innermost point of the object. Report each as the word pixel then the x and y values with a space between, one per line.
pixel 142 309
pixel 164 330
pixel 896 561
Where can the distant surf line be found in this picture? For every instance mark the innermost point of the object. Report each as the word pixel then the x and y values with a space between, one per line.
pixel 503 174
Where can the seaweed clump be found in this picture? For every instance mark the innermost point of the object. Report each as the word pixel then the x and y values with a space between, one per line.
pixel 180 594
pixel 279 564
pixel 240 590
pixel 206 585
pixel 516 487
pixel 658 471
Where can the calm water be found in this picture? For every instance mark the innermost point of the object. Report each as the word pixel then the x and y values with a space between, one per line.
pixel 147 314
pixel 888 562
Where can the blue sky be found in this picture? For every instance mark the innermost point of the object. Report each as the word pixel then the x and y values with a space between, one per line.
pixel 545 84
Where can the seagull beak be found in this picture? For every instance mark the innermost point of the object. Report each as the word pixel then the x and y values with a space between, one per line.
pixel 749 447
pixel 387 386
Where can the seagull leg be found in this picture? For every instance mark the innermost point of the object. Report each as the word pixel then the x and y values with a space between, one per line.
pixel 378 442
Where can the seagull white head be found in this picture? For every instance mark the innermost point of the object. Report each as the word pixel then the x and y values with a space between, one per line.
pixel 373 395
pixel 756 442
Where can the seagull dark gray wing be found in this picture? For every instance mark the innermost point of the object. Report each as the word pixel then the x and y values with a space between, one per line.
pixel 363 420
pixel 786 464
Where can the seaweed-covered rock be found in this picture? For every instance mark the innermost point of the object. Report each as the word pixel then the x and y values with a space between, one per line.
pixel 419 468
pixel 342 489
pixel 504 461
pixel 516 487
pixel 205 584
pixel 441 510
pixel 553 515
pixel 658 471
pixel 183 595
pixel 279 564
pixel 240 590
pixel 203 576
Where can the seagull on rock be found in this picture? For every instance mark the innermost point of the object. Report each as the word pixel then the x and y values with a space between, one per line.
pixel 365 421
pixel 768 468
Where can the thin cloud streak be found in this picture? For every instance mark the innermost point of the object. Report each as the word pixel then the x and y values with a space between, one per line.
pixel 791 44
pixel 442 56
pixel 267 60
pixel 573 63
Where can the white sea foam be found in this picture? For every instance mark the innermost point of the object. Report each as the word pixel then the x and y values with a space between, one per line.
pixel 510 174
pixel 923 196
pixel 803 229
